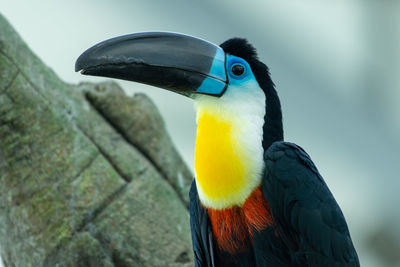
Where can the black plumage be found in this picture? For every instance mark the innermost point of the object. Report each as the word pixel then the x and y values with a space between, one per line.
pixel 201 231
pixel 306 215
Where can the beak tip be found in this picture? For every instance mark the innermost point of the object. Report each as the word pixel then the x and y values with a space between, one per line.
pixel 78 65
pixel 81 64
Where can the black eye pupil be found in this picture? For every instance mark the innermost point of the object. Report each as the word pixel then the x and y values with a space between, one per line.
pixel 237 69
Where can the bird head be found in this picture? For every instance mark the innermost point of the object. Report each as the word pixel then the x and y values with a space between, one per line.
pixel 230 73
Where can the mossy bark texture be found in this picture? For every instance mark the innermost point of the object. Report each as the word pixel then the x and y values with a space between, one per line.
pixel 88 175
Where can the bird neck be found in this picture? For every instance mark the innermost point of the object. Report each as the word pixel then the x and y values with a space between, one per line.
pixel 228 152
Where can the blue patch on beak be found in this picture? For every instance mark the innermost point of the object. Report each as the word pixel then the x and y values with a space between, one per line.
pixel 217 80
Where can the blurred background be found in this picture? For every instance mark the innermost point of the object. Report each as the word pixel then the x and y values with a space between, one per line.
pixel 336 66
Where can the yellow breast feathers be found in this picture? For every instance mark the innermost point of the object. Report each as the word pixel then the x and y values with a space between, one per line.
pixel 225 169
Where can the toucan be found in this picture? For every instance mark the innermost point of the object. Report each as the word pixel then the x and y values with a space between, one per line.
pixel 256 200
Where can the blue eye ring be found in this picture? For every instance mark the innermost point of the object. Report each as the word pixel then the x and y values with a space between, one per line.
pixel 238 69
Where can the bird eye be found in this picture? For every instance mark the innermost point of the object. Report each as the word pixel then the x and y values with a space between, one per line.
pixel 237 69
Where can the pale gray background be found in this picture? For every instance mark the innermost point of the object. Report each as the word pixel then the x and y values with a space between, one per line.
pixel 335 64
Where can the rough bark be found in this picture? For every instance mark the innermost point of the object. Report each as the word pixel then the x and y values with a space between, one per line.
pixel 88 176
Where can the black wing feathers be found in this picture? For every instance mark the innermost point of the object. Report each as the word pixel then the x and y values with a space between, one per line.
pixel 201 231
pixel 307 217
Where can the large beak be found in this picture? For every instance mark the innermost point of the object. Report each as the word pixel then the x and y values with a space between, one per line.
pixel 176 62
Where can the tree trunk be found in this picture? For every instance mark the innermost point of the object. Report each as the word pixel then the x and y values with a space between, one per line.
pixel 88 176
